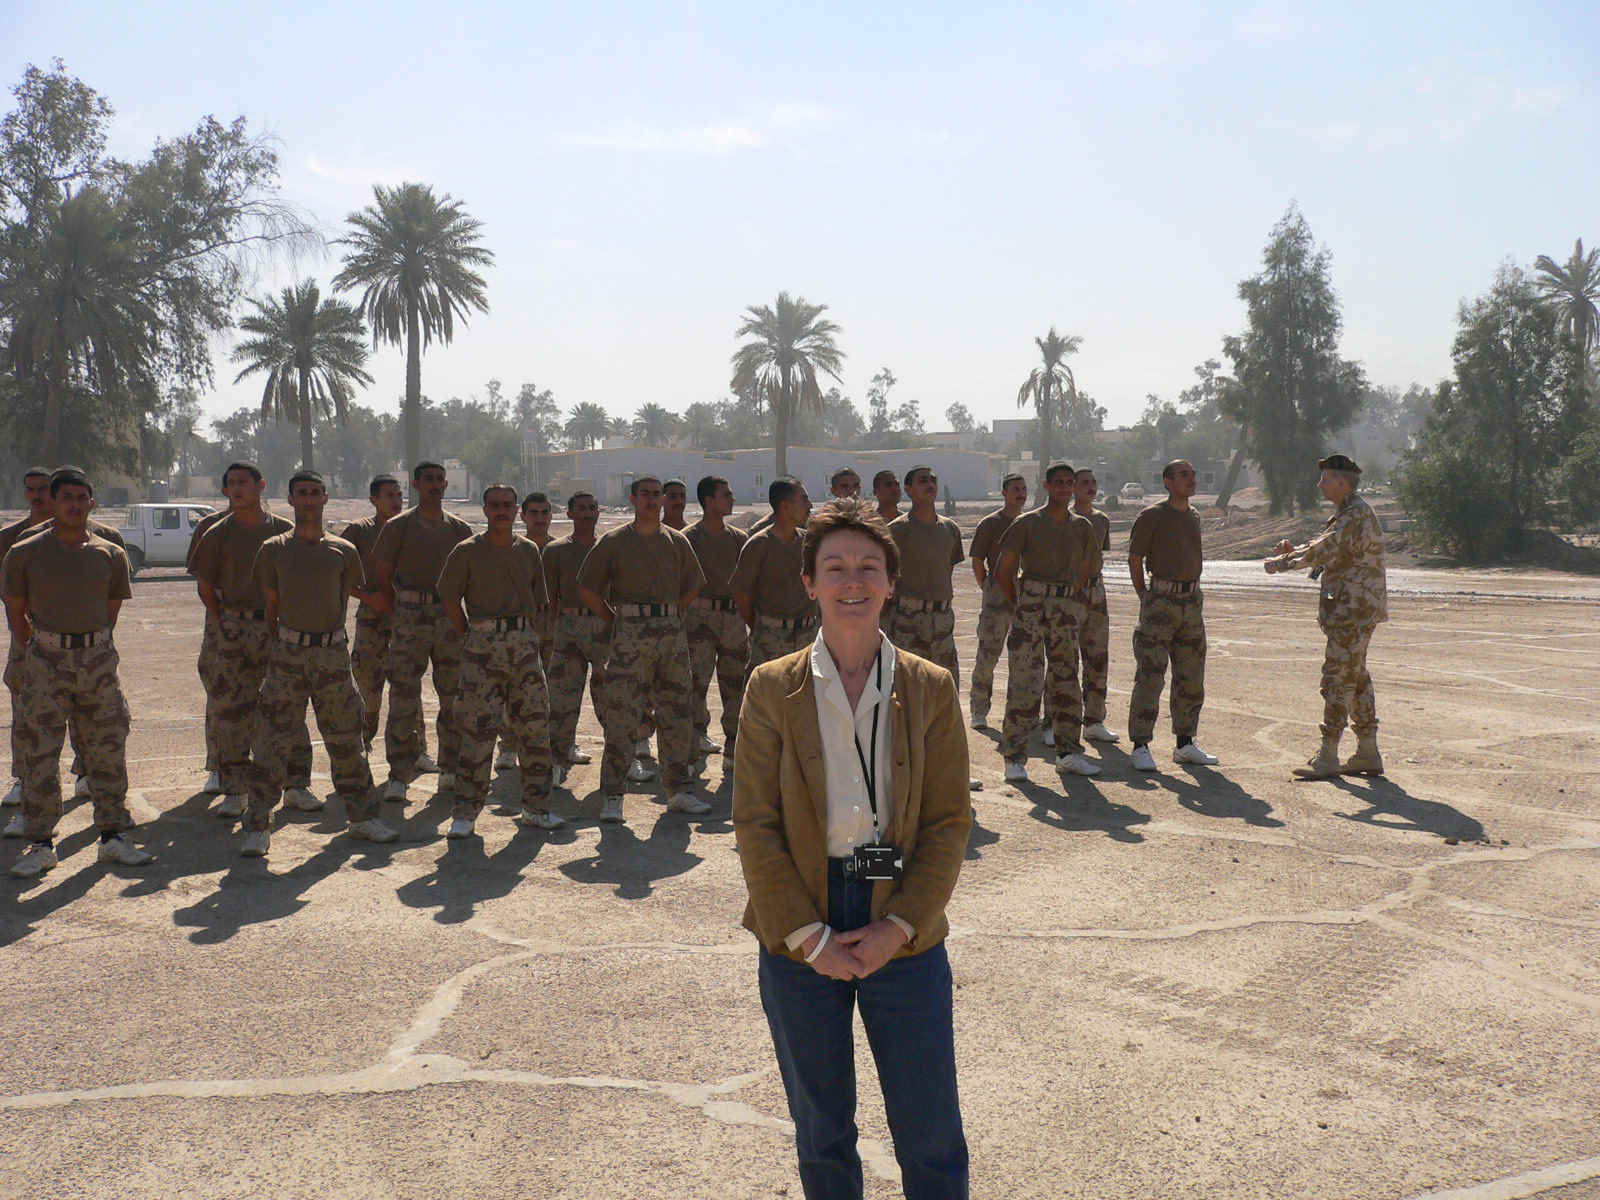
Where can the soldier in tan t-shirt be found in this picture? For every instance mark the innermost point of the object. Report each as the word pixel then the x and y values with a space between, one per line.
pixel 36 489
pixel 923 620
pixel 206 663
pixel 767 584
pixel 369 654
pixel 1094 635
pixel 1165 540
pixel 719 641
pixel 994 617
pixel 582 640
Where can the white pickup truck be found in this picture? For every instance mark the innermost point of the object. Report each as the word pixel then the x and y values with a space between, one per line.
pixel 158 534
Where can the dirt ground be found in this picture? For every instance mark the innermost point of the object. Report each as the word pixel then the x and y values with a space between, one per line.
pixel 1205 982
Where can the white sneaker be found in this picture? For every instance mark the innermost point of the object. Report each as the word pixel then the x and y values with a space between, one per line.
pixel 1016 772
pixel 124 853
pixel 611 810
pixel 705 745
pixel 697 767
pixel 256 844
pixel 980 720
pixel 558 775
pixel 688 802
pixel 461 827
pixel 213 785
pixel 447 780
pixel 1050 737
pixel 232 806
pixel 395 790
pixel 577 756
pixel 1099 733
pixel 1194 755
pixel 1076 764
pixel 1142 759
pixel 425 765
pixel 14 796
pixel 539 818
pixel 372 830
pixel 641 748
pixel 507 759
pixel 640 772
pixel 81 790
pixel 302 800
pixel 15 827
pixel 36 860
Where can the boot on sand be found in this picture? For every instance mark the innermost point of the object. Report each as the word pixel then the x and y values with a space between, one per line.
pixel 1366 760
pixel 1324 765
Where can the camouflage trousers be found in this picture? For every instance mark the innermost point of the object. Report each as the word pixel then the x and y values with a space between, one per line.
pixel 1094 647
pixel 928 634
pixel 421 634
pixel 547 645
pixel 206 665
pixel 994 622
pixel 369 665
pixel 244 648
pixel 321 676
pixel 582 644
pixel 1170 628
pixel 13 681
pixel 502 684
pixel 1347 693
pixel 770 639
pixel 1042 658
pixel 648 664
pixel 54 687
pixel 719 644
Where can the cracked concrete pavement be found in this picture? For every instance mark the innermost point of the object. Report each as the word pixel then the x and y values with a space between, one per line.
pixel 1209 982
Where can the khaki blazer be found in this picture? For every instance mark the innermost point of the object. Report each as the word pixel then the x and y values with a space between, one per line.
pixel 780 801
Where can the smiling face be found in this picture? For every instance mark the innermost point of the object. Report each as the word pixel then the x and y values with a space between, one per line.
pixel 852 581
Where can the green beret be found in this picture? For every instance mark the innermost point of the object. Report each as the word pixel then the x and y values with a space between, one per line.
pixel 1339 462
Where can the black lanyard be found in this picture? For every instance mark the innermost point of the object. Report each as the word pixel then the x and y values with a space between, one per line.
pixel 869 774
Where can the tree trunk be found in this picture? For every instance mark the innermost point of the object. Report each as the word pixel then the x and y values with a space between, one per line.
pixel 780 426
pixel 413 407
pixel 55 397
pixel 1232 478
pixel 305 421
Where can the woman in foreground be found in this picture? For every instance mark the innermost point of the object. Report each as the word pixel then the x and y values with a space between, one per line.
pixel 852 814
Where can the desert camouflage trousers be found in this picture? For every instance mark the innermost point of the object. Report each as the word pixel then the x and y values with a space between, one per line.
pixel 206 666
pixel 582 644
pixel 719 644
pixel 769 639
pixel 648 665
pixel 928 634
pixel 1042 658
pixel 53 688
pixel 1094 647
pixel 320 675
pixel 1171 628
pixel 369 665
pixel 421 634
pixel 502 685
pixel 244 648
pixel 13 680
pixel 1347 694
pixel 994 623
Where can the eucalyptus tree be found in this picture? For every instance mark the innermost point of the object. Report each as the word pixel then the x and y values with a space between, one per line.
pixel 786 346
pixel 587 425
pixel 313 351
pixel 1051 388
pixel 414 255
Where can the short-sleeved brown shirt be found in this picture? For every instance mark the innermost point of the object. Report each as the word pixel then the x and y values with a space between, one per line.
pixel 312 579
pixel 68 587
pixel 986 538
pixel 719 557
pixel 1102 527
pixel 1168 539
pixel 98 528
pixel 206 523
pixel 226 558
pixel 928 549
pixel 769 572
pixel 629 567
pixel 1050 551
pixel 495 581
pixel 11 533
pixel 563 558
pixel 363 535
pixel 416 548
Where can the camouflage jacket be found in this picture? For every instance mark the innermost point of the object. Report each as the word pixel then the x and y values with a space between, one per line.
pixel 1350 551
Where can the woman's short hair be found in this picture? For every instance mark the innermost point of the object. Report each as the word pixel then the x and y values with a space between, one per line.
pixel 848 515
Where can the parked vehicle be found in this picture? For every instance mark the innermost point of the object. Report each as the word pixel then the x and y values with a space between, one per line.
pixel 158 534
pixel 1132 491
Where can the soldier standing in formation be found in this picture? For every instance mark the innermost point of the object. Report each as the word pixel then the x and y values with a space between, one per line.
pixel 1166 542
pixel 767 587
pixel 499 578
pixel 306 577
pixel 844 484
pixel 886 488
pixel 369 657
pixel 536 517
pixel 1354 600
pixel 1058 552
pixel 1094 635
pixel 36 488
pixel 994 617
pixel 409 555
pixel 674 500
pixel 205 664
pixel 224 571
pixel 63 591
pixel 930 545
pixel 582 640
pixel 650 574
pixel 718 641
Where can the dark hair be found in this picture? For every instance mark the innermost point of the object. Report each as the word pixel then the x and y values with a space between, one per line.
pixel 1008 480
pixel 1171 469
pixel 633 488
pixel 575 497
pixel 848 514
pixel 32 471
pixel 68 477
pixel 906 482
pixel 707 488
pixel 674 481
pixel 255 471
pixel 498 487
pixel 534 498
pixel 305 477
pixel 882 475
pixel 840 472
pixel 1055 469
pixel 377 483
pixel 781 489
pixel 416 471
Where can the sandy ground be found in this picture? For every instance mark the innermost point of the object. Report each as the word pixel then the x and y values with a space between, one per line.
pixel 1207 982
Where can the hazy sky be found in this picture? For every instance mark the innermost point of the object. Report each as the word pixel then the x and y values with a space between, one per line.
pixel 950 179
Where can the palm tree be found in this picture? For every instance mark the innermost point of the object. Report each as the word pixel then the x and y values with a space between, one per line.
pixel 1050 387
pixel 80 321
pixel 788 345
pixel 654 425
pixel 313 352
pixel 700 424
pixel 412 253
pixel 1575 290
pixel 586 425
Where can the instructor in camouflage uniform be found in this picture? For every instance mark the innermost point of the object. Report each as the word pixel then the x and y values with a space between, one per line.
pixel 924 621
pixel 1354 599
pixel 994 617
pixel 36 489
pixel 719 643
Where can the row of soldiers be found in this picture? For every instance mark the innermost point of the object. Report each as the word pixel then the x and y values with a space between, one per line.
pixel 650 612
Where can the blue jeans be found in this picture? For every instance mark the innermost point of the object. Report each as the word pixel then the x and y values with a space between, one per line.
pixel 906 1009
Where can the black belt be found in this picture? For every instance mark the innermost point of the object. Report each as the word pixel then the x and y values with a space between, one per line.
pixel 501 624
